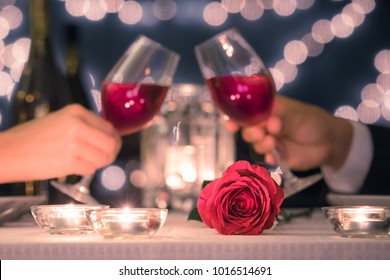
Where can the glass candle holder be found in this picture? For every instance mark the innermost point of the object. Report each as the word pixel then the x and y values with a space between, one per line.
pixel 123 223
pixel 359 221
pixel 65 219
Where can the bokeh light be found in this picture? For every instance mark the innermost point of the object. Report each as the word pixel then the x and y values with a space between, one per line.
pixel 347 112
pixel 77 8
pixel 385 110
pixel 322 31
pixel 113 178
pixel 367 5
pixel 5 83
pixel 288 70
pixel 278 78
pixel 368 113
pixel 314 48
pixel 372 95
pixel 252 10
pixel 13 15
pixel 342 25
pixel 267 4
pixel 164 9
pixel 138 178
pixel 131 12
pixel 95 10
pixel 4 28
pixel 112 6
pixel 382 61
pixel 383 80
pixel 233 6
pixel 304 4
pixel 355 12
pixel 214 14
pixel 21 49
pixel 285 7
pixel 295 52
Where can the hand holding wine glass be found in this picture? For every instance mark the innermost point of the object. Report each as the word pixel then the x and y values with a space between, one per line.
pixel 59 144
pixel 132 94
pixel 243 89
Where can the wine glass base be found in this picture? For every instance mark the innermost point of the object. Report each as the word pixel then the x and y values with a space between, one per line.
pixel 75 191
pixel 296 184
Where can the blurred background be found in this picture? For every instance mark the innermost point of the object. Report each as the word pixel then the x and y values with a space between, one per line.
pixel 333 53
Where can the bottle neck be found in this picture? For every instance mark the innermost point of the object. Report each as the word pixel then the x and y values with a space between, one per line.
pixel 39 13
pixel 72 60
pixel 72 56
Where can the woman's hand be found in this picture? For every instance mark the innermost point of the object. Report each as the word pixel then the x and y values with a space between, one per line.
pixel 72 140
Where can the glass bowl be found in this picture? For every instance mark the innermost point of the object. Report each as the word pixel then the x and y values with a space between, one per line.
pixel 67 219
pixel 121 223
pixel 359 221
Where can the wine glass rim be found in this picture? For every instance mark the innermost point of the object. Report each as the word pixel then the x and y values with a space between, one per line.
pixel 219 34
pixel 156 43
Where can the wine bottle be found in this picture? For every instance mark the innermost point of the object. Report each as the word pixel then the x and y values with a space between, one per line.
pixel 42 87
pixel 73 67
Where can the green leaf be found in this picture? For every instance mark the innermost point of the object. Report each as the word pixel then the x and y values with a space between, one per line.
pixel 205 183
pixel 194 215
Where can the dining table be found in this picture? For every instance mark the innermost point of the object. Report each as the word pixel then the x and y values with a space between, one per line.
pixel 307 237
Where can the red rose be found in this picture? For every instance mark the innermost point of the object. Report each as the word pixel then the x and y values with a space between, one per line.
pixel 245 200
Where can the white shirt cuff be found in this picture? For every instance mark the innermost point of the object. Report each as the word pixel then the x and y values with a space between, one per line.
pixel 350 177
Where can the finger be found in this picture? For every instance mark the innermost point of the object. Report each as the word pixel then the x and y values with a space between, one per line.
pixel 82 167
pixel 82 157
pixel 81 133
pixel 253 134
pixel 99 123
pixel 265 146
pixel 274 125
pixel 270 159
pixel 92 119
pixel 106 144
pixel 231 126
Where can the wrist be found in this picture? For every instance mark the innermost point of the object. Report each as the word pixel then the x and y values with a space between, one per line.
pixel 4 158
pixel 340 143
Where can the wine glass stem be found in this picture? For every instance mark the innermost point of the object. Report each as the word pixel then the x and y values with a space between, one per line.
pixel 287 175
pixel 84 183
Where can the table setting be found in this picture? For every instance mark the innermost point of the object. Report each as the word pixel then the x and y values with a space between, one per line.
pixel 239 213
pixel 304 237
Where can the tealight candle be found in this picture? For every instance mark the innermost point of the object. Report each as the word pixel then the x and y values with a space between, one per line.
pixel 122 223
pixel 65 218
pixel 362 221
pixel 359 221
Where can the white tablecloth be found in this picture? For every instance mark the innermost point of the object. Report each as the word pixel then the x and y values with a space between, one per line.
pixel 301 238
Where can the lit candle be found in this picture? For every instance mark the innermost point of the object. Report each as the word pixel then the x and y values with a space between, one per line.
pixel 64 218
pixel 126 222
pixel 180 167
pixel 363 220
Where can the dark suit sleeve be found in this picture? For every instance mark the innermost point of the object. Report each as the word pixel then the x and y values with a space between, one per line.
pixel 378 179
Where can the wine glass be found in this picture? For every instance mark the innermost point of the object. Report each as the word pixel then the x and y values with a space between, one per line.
pixel 132 94
pixel 243 89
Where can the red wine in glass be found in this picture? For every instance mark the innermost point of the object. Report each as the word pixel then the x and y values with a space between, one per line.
pixel 129 106
pixel 245 99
